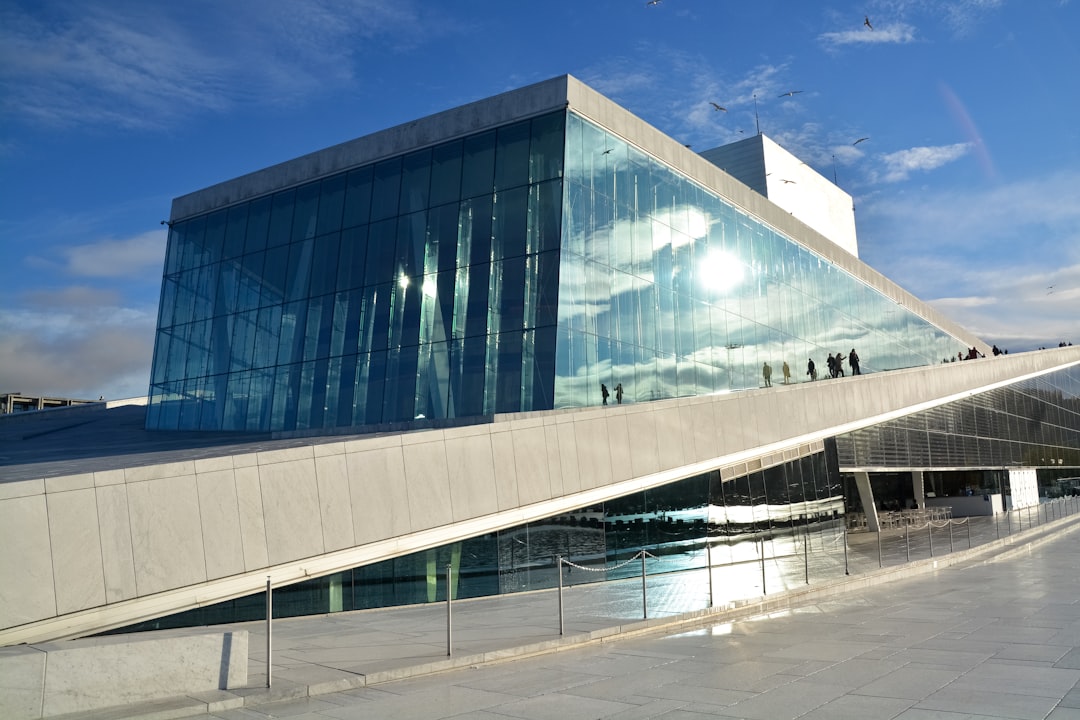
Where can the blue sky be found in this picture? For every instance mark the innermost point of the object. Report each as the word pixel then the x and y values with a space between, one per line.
pixel 967 192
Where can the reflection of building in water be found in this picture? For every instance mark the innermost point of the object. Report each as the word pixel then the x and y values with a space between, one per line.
pixel 407 335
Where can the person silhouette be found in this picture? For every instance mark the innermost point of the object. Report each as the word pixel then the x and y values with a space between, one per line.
pixel 853 361
pixel 766 372
pixel 787 373
pixel 604 392
pixel 618 393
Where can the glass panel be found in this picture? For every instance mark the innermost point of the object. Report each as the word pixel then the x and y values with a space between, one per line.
pixel 442 232
pixel 331 204
pixel 545 215
pixel 214 239
pixel 324 265
pixel 509 223
pixel 446 173
pixel 512 156
pixel 381 246
pixel 235 231
pixel 478 165
pixel 387 187
pixel 306 213
pixel 298 271
pixel 258 225
pixel 281 215
pixel 474 233
pixel 415 182
pixel 351 259
pixel 546 148
pixel 411 238
pixel 358 197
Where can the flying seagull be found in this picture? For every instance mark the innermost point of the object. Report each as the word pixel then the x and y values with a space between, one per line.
pixel 606 151
pixel 787 182
pixel 790 93
pixel 866 22
pixel 718 107
pixel 652 2
pixel 860 140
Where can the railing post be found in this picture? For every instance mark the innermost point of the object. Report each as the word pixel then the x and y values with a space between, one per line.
pixel 269 615
pixel 907 541
pixel 763 590
pixel 844 530
pixel 930 530
pixel 969 532
pixel 879 548
pixel 449 611
pixel 644 595
pixel 951 549
pixel 806 554
pixel 558 569
pixel 708 557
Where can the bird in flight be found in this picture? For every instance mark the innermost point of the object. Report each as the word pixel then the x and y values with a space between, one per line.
pixel 718 107
pixel 866 22
pixel 790 93
pixel 652 2
pixel 606 151
pixel 862 139
pixel 788 182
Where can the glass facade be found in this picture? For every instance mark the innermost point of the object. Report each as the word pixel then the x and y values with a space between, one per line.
pixel 511 270
pixel 683 524
pixel 421 286
pixel 1033 423
pixel 669 290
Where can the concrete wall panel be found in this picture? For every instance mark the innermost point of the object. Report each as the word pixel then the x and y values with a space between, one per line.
pixel 530 463
pixel 552 459
pixel 704 430
pixel 219 510
pixel 166 534
pixel 506 484
pixel 69 482
pixel 619 447
pixel 335 505
pixel 117 557
pixel 290 496
pixel 26 569
pixel 109 477
pixel 569 464
pixel 471 469
pixel 22 488
pixel 76 550
pixel 156 472
pixel 428 484
pixel 250 510
pixel 644 452
pixel 594 452
pixel 380 502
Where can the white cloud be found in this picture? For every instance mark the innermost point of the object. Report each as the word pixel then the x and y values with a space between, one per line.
pixel 894 34
pixel 115 258
pixel 899 165
pixel 76 342
pixel 986 257
pixel 138 65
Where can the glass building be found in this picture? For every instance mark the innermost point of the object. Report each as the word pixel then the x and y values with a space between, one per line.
pixel 514 269
pixel 399 344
